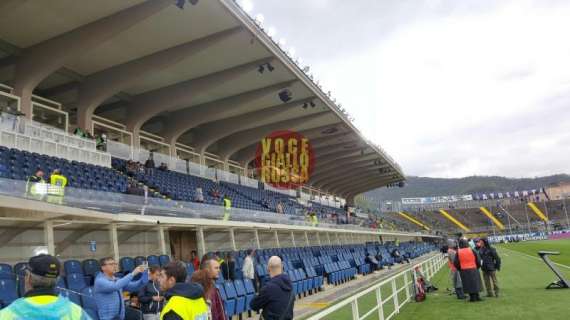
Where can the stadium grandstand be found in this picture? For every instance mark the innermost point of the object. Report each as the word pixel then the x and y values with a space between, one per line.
pixel 129 129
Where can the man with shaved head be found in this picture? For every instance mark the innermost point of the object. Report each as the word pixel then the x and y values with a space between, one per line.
pixel 276 298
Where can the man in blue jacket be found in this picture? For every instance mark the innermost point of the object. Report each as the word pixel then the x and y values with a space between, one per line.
pixel 276 298
pixel 108 289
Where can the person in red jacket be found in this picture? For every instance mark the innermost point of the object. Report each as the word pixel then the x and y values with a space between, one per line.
pixel 467 261
pixel 194 260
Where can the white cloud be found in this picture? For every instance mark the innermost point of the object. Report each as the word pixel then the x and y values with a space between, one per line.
pixel 453 91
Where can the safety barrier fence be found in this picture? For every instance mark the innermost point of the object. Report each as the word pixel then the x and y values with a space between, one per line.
pixel 110 202
pixel 385 299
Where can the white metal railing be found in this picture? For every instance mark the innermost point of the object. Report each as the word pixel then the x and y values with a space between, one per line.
pixel 428 267
pixel 27 135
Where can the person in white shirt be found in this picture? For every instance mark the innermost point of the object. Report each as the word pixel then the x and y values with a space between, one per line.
pixel 248 267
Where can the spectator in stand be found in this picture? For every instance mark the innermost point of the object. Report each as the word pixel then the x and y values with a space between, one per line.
pixel 468 263
pixel 194 260
pixel 279 207
pixel 108 289
pixel 227 207
pixel 150 296
pixel 163 167
pixel 198 195
pixel 228 267
pixel 491 263
pixel 215 193
pixel 379 258
pixel 248 268
pixel 184 300
pixel 41 298
pixel 207 278
pixel 149 164
pixel 276 298
pixel 38 177
pixel 372 261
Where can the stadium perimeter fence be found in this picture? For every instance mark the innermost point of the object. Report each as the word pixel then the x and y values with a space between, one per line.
pixel 400 290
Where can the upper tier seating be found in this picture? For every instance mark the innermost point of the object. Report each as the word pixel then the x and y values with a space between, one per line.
pixel 19 165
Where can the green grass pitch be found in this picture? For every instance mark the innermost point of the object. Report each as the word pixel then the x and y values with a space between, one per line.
pixel 522 280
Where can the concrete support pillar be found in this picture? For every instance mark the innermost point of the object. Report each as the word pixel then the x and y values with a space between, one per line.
pixel 37 62
pixel 337 238
pixel 256 234
pixel 161 240
pixel 113 235
pixel 293 239
pixel 307 239
pixel 329 238
pixel 233 239
pixel 276 239
pixel 49 237
pixel 136 145
pixel 319 239
pixel 201 242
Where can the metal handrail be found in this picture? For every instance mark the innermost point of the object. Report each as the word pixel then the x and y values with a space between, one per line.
pixel 429 267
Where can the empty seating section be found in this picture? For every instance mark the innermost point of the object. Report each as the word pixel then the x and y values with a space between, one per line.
pixel 19 165
pixel 309 267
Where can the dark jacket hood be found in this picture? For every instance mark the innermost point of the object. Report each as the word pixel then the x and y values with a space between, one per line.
pixel 283 282
pixel 186 290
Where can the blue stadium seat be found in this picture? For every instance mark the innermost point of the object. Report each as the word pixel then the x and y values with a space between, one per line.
pixel 139 260
pixel 127 264
pixel 249 291
pixel 5 269
pixel 91 267
pixel 88 302
pixel 8 291
pixel 241 292
pixel 72 266
pixel 163 260
pixel 75 282
pixel 229 304
pixel 153 260
pixel 232 294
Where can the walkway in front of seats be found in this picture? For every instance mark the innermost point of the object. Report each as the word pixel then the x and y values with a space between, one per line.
pixel 332 294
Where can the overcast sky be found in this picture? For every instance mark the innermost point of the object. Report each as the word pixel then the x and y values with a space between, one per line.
pixel 448 88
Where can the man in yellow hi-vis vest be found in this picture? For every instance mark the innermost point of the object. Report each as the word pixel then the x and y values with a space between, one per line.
pixel 41 300
pixel 227 207
pixel 185 299
pixel 58 182
pixel 56 189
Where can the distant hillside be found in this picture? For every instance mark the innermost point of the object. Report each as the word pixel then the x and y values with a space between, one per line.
pixel 424 187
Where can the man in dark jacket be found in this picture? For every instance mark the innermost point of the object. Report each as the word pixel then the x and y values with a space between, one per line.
pixel 276 298
pixel 150 296
pixel 491 263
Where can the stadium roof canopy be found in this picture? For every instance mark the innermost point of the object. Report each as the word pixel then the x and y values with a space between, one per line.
pixel 190 75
